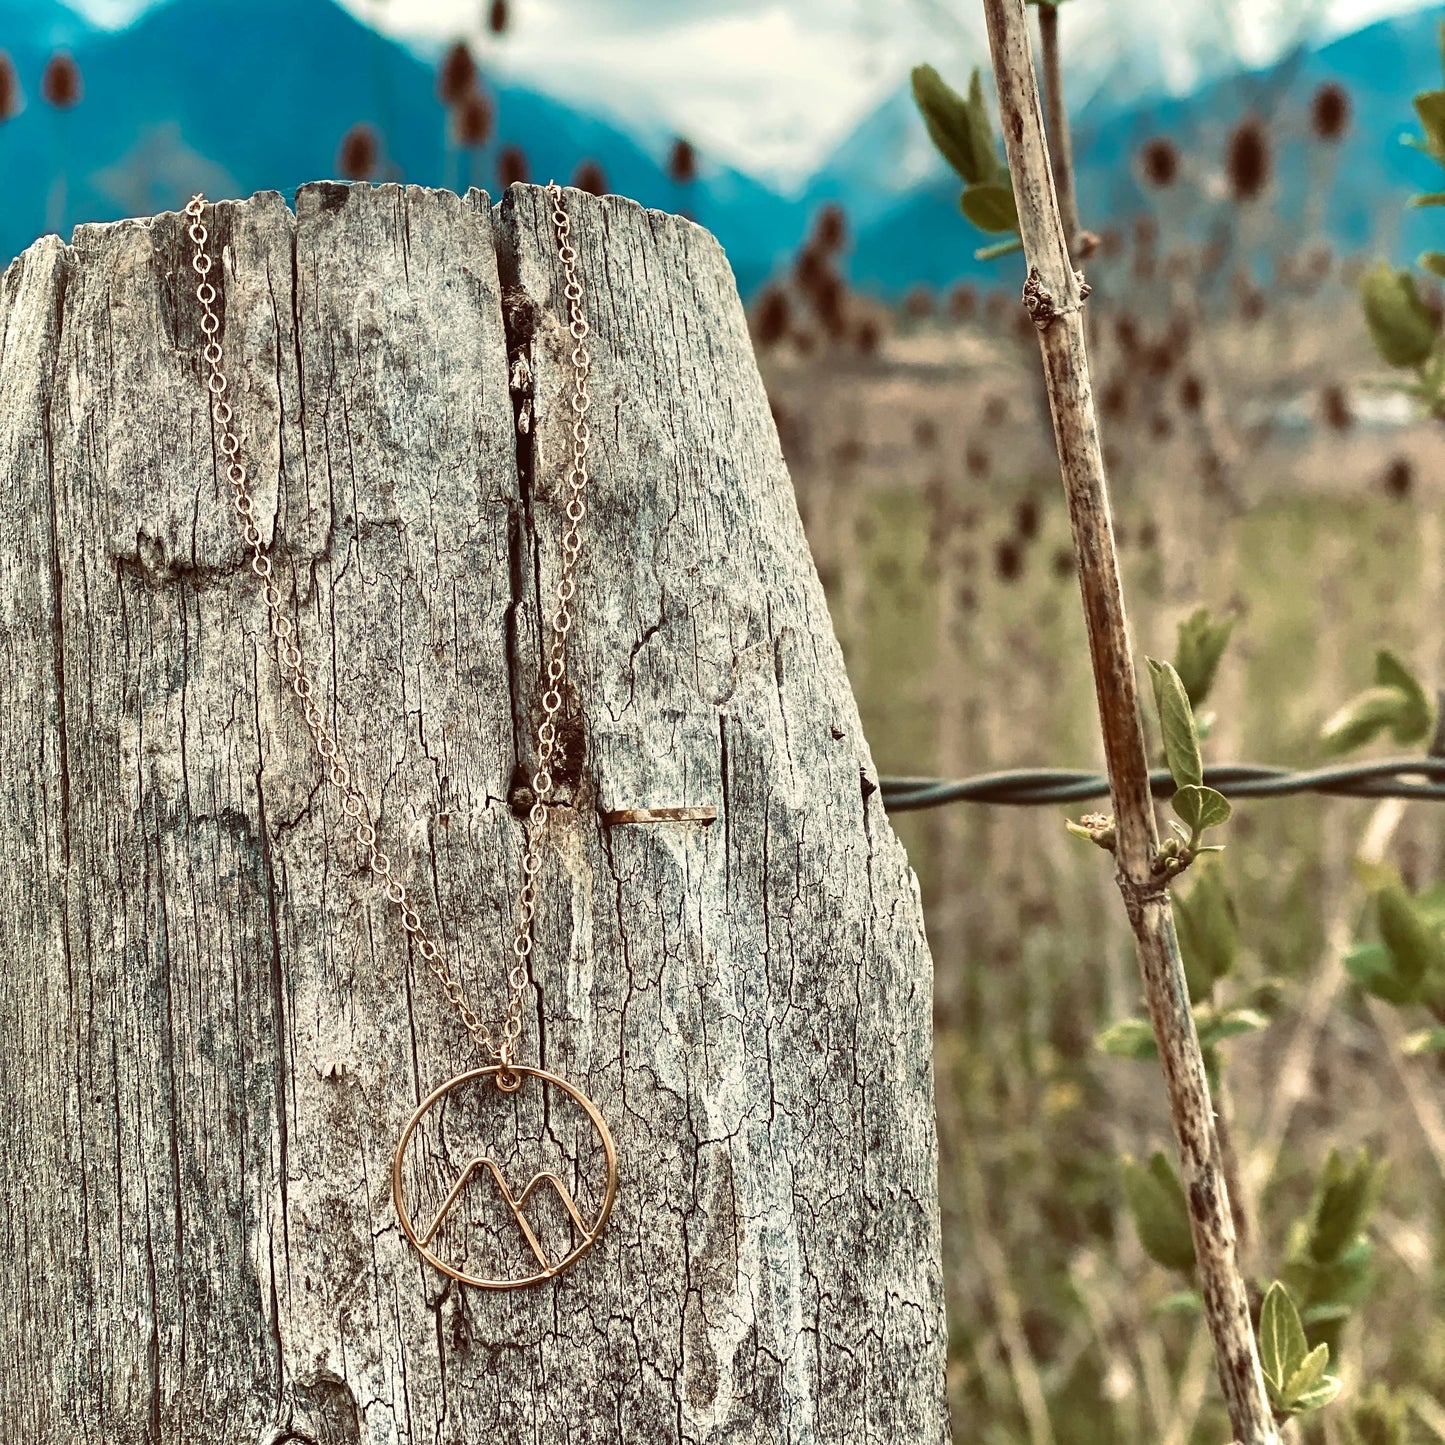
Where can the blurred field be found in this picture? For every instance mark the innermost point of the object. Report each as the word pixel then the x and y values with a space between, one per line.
pixel 1255 472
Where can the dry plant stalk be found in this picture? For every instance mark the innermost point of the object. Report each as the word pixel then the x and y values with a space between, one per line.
pixel 1060 141
pixel 1055 300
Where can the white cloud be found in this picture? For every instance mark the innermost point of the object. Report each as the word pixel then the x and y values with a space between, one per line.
pixel 771 85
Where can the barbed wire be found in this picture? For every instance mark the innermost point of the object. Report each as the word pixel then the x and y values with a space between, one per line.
pixel 1034 787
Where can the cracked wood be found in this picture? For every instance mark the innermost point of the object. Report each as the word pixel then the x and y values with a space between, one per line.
pixel 211 1028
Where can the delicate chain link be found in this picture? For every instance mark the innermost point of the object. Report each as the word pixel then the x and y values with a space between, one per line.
pixel 501 1044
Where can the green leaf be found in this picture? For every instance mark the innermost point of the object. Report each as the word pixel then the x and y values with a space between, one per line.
pixel 1156 1200
pixel 1377 1419
pixel 1431 902
pixel 1328 1291
pixel 991 167
pixel 1309 1374
pixel 1402 329
pixel 1181 1302
pixel 1215 1027
pixel 959 127
pixel 1430 107
pixel 1372 966
pixel 1373 874
pixel 1319 1397
pixel 1131 1038
pixel 990 206
pixel 1208 930
pixel 1433 261
pixel 951 124
pixel 1364 718
pixel 1414 944
pixel 1343 1198
pixel 1266 996
pixel 1417 716
pixel 1326 1314
pixel 1176 724
pixel 1202 808
pixel 1196 656
pixel 1425 1041
pixel 1282 1345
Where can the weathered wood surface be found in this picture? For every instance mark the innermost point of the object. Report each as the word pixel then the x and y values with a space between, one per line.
pixel 211 1029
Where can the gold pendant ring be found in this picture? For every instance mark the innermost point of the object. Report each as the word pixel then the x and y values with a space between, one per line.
pixel 464 1090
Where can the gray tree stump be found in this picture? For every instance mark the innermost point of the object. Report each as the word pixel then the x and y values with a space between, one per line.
pixel 212 1030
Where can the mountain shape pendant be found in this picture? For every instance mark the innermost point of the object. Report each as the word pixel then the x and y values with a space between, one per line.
pixel 470 1142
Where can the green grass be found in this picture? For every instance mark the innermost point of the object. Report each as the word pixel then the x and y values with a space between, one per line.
pixel 959 669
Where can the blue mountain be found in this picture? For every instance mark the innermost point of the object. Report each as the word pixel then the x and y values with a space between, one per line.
pixel 1352 194
pixel 233 96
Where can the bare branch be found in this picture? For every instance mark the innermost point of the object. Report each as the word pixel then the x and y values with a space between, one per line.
pixel 1061 145
pixel 1055 296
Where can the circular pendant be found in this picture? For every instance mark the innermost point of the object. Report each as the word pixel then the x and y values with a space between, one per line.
pixel 467 1146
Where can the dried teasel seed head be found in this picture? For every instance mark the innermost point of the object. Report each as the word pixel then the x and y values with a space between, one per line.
pixel 357 156
pixel 811 268
pixel 60 84
pixel 1026 518
pixel 457 74
pixel 962 302
pixel 1247 159
pixel 1159 162
pixel 9 88
pixel 682 162
pixel 1399 478
pixel 1335 410
pixel 512 166
pixel 590 177
pixel 828 304
pixel 1330 112
pixel 918 304
pixel 830 229
pixel 498 17
pixel 771 316
pixel 473 120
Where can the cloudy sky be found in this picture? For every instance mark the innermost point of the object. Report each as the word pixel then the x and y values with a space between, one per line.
pixel 771 85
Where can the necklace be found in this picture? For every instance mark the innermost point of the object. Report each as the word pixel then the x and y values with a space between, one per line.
pixel 503 1111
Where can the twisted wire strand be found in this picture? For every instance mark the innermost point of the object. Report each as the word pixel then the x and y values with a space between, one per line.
pixel 1036 787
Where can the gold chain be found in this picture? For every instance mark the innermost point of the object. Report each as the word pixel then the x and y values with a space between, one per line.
pixel 502 1044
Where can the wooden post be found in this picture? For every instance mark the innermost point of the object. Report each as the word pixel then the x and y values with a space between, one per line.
pixel 211 1028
